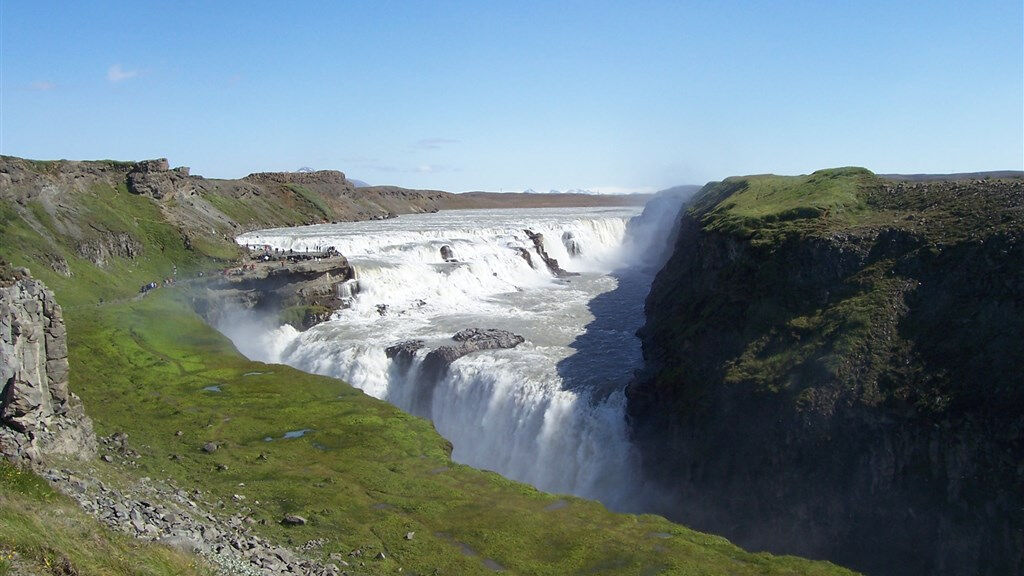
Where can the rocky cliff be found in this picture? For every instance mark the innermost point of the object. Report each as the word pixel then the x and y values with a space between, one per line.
pixel 834 370
pixel 39 416
pixel 301 292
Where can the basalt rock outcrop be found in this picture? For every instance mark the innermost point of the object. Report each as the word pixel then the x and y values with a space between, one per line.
pixel 154 178
pixel 303 292
pixel 436 362
pixel 833 370
pixel 538 245
pixel 403 352
pixel 103 248
pixel 470 340
pixel 39 415
pixel 572 245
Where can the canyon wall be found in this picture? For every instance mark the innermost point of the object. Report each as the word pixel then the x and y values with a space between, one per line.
pixel 833 369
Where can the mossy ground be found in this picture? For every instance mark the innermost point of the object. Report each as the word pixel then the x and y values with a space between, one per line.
pixel 366 473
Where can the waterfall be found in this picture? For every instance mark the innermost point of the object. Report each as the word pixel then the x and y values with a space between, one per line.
pixel 549 412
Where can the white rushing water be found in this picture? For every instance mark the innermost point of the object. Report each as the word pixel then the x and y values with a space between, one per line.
pixel 549 412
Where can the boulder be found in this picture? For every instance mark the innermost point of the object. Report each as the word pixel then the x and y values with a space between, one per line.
pixel 293 520
pixel 572 246
pixel 447 254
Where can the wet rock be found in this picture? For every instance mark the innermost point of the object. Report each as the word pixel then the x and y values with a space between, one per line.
pixel 487 338
pixel 404 352
pixel 447 254
pixel 572 246
pixel 468 341
pixel 525 255
pixel 552 264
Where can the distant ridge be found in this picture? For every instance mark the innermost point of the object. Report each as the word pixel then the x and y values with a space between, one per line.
pixel 953 177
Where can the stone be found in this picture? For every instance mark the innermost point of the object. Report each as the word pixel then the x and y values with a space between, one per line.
pixel 210 447
pixel 293 520
pixel 409 535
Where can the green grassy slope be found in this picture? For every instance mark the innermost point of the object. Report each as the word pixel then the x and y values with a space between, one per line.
pixel 367 473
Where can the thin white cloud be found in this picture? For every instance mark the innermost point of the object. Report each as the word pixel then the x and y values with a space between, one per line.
pixel 42 86
pixel 434 169
pixel 595 190
pixel 433 143
pixel 117 73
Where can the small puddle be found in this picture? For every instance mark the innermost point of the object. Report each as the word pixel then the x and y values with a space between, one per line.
pixel 290 435
pixel 213 388
pixel 255 373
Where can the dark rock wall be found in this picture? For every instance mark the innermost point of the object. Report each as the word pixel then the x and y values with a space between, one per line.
pixel 889 438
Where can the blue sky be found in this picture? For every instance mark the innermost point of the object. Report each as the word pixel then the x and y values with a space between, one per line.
pixel 462 96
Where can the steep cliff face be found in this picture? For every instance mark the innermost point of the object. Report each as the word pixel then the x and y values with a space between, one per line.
pixel 39 416
pixel 834 370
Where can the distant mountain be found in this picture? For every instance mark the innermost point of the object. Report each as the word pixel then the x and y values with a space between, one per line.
pixel 358 183
pixel 553 191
